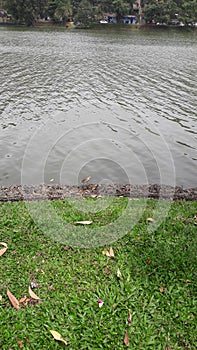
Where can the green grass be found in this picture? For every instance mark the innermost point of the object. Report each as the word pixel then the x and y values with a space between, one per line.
pixel 157 262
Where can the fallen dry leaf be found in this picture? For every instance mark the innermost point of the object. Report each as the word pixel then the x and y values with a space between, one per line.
pixel 13 300
pixel 110 254
pixel 20 343
pixel 87 222
pixel 94 196
pixel 22 300
pixel 1 297
pixel 26 301
pixel 105 252
pixel 86 179
pixel 126 339
pixel 162 289
pixel 150 219
pixel 3 250
pixel 148 261
pixel 119 273
pixel 51 287
pixel 32 294
pixel 57 336
pixel 129 317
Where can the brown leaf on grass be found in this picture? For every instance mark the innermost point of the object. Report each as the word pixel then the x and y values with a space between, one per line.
pixel 13 300
pixel 126 339
pixel 110 254
pixel 148 261
pixel 57 336
pixel 32 294
pixel 20 343
pixel 129 317
pixel 150 219
pixel 51 287
pixel 3 250
pixel 66 247
pixel 86 222
pixel 23 299
pixel 162 289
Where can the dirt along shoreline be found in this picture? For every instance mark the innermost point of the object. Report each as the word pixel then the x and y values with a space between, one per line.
pixel 54 191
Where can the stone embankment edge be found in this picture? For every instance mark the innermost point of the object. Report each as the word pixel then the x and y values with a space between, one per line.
pixel 54 192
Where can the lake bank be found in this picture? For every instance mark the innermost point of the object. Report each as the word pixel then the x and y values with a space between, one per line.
pixel 53 192
pixel 98 26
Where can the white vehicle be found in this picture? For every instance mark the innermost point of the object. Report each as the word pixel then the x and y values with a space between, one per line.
pixel 103 21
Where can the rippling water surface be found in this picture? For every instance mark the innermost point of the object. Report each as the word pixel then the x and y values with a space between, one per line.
pixel 117 106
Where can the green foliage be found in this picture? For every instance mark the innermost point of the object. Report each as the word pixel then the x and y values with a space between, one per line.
pixel 168 10
pixel 24 11
pixel 84 11
pixel 85 14
pixel 121 8
pixel 60 10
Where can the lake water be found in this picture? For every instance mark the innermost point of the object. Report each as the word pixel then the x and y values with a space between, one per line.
pixel 119 106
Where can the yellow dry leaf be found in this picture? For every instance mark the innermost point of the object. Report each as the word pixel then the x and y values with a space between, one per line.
pixel 13 300
pixel 129 317
pixel 119 273
pixel 126 339
pixel 150 219
pixel 3 250
pixel 105 252
pixel 110 254
pixel 32 294
pixel 57 336
pixel 87 222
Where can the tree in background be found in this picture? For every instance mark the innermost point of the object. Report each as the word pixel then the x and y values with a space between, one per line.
pixel 24 11
pixel 121 8
pixel 85 13
pixel 60 10
pixel 189 11
pixel 164 11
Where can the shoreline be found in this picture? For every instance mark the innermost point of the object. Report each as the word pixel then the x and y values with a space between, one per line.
pixel 43 192
pixel 96 26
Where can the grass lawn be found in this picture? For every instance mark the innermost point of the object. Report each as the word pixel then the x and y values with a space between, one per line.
pixel 152 274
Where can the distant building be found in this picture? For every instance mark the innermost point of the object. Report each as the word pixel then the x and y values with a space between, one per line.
pixel 4 16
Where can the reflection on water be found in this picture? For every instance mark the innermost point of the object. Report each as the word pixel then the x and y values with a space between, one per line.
pixel 119 106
